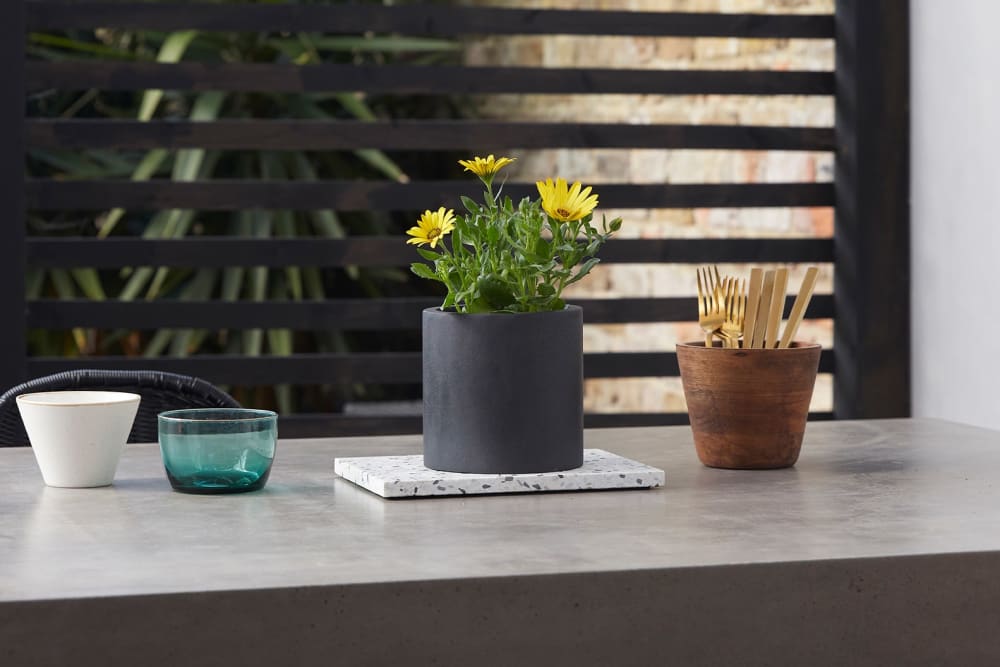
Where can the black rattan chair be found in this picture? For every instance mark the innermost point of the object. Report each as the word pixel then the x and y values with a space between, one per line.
pixel 159 391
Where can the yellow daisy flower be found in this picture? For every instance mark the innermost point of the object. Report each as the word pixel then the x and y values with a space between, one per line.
pixel 566 203
pixel 486 168
pixel 432 227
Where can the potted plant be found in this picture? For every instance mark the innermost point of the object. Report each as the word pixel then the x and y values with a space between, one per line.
pixel 503 355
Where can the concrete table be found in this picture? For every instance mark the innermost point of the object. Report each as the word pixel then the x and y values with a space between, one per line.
pixel 882 546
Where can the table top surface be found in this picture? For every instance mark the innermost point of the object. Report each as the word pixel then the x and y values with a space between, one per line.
pixel 860 489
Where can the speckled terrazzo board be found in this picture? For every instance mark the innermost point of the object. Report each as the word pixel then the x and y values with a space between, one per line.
pixel 406 477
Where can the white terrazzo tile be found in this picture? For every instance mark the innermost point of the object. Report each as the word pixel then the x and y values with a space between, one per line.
pixel 406 477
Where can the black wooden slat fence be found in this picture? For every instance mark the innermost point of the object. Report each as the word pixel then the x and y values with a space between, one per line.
pixel 382 367
pixel 417 80
pixel 872 234
pixel 870 364
pixel 234 195
pixel 309 426
pixel 335 314
pixel 13 336
pixel 422 20
pixel 428 135
pixel 379 251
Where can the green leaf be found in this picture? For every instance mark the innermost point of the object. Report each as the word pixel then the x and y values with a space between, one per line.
pixel 90 283
pixel 186 341
pixel 65 290
pixel 148 166
pixel 253 342
pixel 470 205
pixel 285 226
pixel 158 343
pixel 424 271
pixel 171 51
pixel 74 164
pixel 283 396
pixel 584 270
pixel 495 292
pixel 262 223
pixel 383 163
pixel 62 283
pixel 115 162
pixel 91 48
pixel 478 305
pixel 280 341
pixel 34 281
pixel 232 282
pixel 355 105
pixel 190 165
pixel 162 221
pixel 429 255
pixel 373 44
pixel 312 281
pixel 325 220
pixel 546 289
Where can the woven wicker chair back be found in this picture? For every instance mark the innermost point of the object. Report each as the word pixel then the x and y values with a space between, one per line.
pixel 160 391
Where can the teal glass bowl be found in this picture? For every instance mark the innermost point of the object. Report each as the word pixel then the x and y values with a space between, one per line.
pixel 218 450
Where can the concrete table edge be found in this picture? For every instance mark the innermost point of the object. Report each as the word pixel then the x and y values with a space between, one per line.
pixel 934 605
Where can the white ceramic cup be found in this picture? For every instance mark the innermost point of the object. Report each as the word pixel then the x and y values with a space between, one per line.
pixel 78 436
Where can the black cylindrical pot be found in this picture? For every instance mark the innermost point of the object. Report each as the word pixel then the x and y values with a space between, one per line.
pixel 503 392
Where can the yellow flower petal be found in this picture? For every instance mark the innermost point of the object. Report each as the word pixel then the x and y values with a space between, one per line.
pixel 564 202
pixel 432 227
pixel 486 168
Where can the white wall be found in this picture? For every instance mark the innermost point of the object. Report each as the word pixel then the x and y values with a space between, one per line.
pixel 955 107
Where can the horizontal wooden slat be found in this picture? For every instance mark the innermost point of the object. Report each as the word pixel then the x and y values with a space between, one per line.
pixel 412 135
pixel 422 20
pixel 632 419
pixel 334 314
pixel 387 367
pixel 384 251
pixel 401 79
pixel 380 368
pixel 340 425
pixel 232 195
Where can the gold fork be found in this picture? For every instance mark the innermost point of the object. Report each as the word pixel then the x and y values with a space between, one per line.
pixel 711 306
pixel 735 298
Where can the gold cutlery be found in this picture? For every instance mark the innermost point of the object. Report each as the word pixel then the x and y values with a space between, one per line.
pixel 777 308
pixel 711 309
pixel 735 304
pixel 752 304
pixel 727 310
pixel 763 310
pixel 799 307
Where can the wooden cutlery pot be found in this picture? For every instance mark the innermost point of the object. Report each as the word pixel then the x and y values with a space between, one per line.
pixel 748 407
